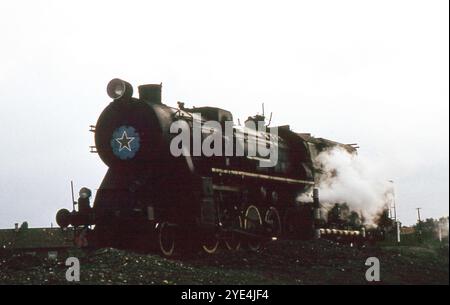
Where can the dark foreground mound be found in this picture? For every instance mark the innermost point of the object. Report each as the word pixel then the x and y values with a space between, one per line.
pixel 284 262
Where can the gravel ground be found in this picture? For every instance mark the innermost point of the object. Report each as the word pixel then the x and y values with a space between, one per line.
pixel 282 262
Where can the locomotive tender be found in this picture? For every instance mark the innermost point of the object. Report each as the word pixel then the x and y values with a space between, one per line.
pixel 151 196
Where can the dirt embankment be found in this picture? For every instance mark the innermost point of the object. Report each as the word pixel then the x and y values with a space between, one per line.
pixel 284 262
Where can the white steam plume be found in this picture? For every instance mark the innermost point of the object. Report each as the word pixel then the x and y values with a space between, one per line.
pixel 349 178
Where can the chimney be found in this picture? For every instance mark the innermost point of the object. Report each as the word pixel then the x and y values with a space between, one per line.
pixel 150 93
pixel 16 227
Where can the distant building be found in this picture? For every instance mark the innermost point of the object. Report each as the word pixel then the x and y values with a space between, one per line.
pixel 407 230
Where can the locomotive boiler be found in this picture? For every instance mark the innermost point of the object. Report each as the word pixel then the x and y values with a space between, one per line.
pixel 182 179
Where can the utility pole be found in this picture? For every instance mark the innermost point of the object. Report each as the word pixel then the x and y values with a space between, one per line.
pixel 393 206
pixel 393 199
pixel 418 214
pixel 73 197
pixel 419 224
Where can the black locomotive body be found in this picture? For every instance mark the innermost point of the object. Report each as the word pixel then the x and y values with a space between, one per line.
pixel 154 195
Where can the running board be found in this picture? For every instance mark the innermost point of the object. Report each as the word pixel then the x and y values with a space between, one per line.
pixel 260 176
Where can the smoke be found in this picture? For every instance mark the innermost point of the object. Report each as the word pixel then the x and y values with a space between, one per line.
pixel 348 178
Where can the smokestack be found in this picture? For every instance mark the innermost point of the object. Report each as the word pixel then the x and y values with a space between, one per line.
pixel 150 93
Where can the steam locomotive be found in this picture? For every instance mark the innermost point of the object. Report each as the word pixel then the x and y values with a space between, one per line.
pixel 161 192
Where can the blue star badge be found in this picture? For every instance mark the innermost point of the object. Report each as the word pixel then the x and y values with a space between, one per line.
pixel 125 142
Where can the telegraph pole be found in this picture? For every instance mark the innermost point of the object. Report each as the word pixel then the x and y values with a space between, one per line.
pixel 392 205
pixel 419 224
pixel 418 214
pixel 393 199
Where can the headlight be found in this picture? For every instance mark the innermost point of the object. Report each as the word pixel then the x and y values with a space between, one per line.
pixel 85 192
pixel 118 89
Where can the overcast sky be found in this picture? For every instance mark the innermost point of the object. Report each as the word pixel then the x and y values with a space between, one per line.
pixel 371 72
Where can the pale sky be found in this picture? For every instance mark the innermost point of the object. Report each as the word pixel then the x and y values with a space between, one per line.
pixel 371 72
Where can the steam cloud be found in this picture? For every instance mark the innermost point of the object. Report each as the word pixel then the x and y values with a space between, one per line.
pixel 349 178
